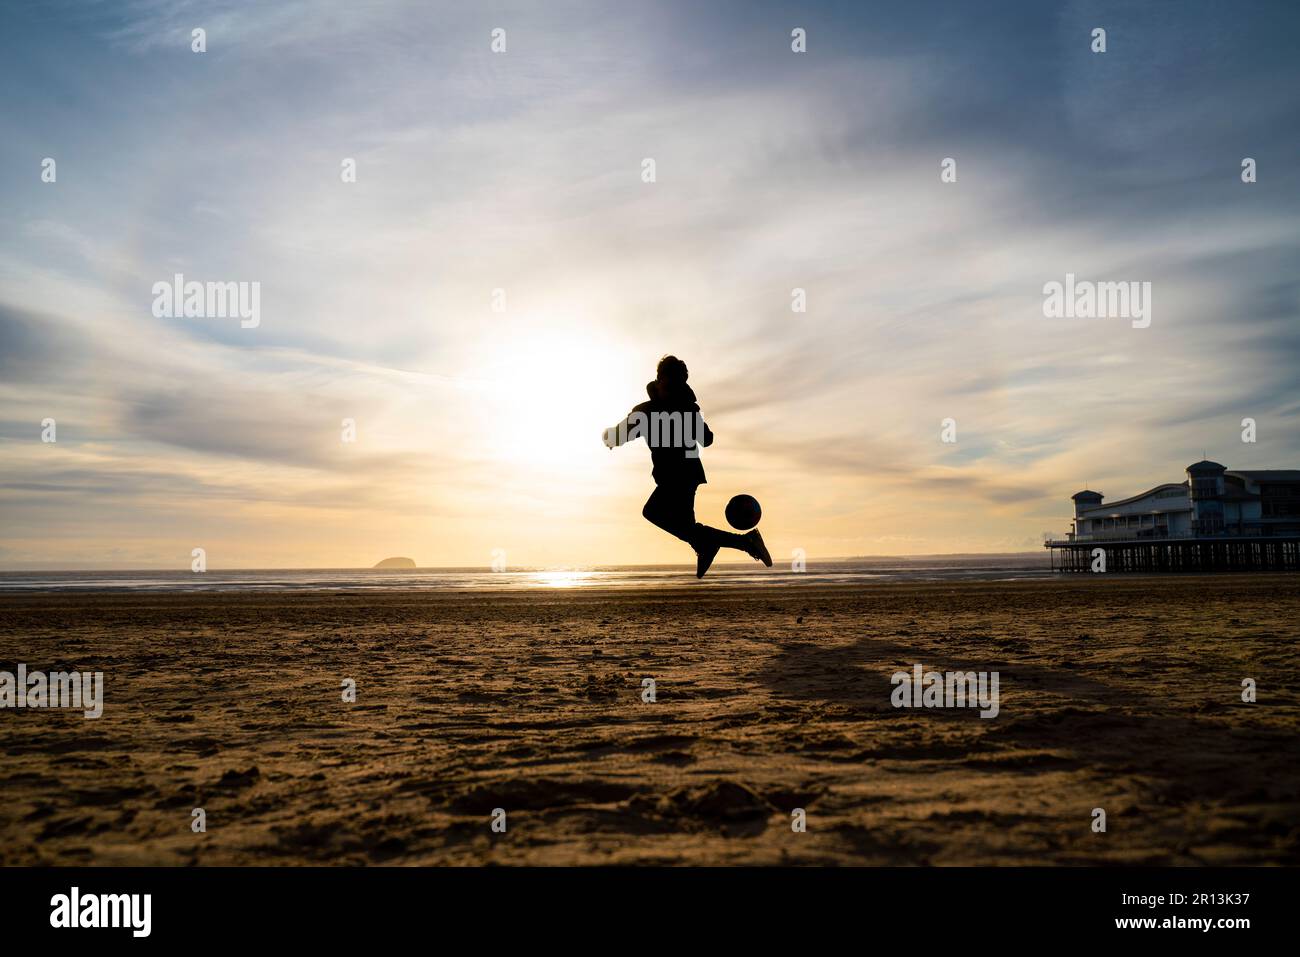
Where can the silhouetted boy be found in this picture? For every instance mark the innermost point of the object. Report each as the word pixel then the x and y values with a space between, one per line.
pixel 672 426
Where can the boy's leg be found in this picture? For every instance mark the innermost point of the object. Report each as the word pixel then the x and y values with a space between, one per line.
pixel 711 539
pixel 716 536
pixel 672 510
pixel 702 535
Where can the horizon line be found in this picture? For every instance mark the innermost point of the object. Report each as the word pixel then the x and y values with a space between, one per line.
pixel 488 567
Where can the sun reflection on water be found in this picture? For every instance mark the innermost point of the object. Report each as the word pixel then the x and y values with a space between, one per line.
pixel 559 579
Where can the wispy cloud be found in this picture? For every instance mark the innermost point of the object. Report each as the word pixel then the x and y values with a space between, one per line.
pixel 479 430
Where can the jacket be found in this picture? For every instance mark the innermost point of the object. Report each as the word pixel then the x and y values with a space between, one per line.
pixel 674 429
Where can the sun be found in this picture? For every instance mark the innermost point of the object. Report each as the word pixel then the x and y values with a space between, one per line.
pixel 549 393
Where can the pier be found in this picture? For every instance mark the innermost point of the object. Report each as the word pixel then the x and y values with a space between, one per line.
pixel 1216 520
pixel 1228 553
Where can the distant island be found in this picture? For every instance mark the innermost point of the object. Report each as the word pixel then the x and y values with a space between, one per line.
pixel 396 563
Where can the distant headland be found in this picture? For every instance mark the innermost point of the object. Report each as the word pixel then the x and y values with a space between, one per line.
pixel 396 563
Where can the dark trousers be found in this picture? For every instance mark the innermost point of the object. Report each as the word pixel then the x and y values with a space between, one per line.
pixel 672 508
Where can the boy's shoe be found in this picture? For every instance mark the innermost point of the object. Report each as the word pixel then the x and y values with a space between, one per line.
pixel 757 549
pixel 704 556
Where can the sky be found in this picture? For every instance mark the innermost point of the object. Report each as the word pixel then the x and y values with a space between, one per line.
pixel 478 431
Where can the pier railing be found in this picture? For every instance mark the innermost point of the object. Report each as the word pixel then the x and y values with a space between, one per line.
pixel 1181 552
pixel 1227 535
pixel 1118 536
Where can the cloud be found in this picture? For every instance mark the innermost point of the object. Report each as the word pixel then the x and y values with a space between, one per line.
pixel 521 172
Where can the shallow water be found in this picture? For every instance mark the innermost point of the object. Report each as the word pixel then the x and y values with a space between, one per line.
pixel 844 571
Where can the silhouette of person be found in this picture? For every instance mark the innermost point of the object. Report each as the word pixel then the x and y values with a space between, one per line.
pixel 672 426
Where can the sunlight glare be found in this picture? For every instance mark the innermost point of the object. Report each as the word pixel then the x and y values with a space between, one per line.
pixel 550 396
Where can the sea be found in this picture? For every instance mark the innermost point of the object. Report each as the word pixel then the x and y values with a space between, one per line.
pixel 936 568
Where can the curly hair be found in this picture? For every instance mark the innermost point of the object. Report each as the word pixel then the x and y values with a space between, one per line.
pixel 672 371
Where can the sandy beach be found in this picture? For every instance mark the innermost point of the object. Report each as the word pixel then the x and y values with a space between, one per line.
pixel 1115 693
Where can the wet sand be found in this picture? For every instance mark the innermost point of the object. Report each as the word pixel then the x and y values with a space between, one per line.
pixel 1118 693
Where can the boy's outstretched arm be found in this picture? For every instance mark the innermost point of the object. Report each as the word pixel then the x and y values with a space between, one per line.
pixel 616 435
pixel 627 430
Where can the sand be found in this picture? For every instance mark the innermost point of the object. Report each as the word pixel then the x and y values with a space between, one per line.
pixel 1115 693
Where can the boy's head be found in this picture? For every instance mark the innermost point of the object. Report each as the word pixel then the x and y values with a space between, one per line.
pixel 671 373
